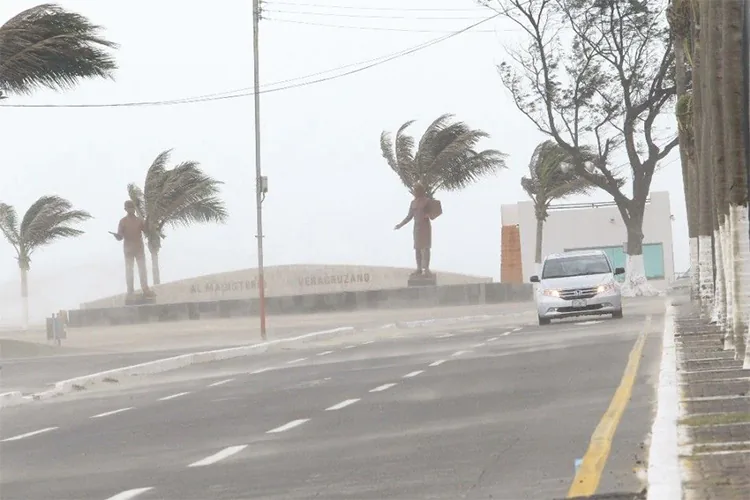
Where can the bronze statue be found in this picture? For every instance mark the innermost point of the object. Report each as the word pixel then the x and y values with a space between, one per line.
pixel 130 232
pixel 423 210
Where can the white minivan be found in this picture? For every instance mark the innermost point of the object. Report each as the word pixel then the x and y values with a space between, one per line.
pixel 578 283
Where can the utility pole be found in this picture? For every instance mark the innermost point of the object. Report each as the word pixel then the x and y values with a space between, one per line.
pixel 261 186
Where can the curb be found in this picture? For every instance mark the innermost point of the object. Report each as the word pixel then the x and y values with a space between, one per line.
pixel 158 366
pixel 664 478
pixel 11 398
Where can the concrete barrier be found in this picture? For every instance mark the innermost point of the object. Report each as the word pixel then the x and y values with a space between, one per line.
pixel 412 297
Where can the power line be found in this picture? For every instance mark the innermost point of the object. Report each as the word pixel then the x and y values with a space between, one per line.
pixel 235 94
pixel 368 28
pixel 369 16
pixel 350 7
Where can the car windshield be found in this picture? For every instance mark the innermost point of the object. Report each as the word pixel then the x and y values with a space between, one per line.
pixel 579 265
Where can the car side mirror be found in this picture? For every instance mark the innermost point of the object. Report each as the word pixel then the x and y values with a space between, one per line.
pixel 534 279
pixel 619 270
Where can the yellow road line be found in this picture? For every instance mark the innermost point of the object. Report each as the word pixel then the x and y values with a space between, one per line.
pixel 590 471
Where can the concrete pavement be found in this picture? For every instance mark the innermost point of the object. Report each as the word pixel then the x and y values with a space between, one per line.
pixel 452 412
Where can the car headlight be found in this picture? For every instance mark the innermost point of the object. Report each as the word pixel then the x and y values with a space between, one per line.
pixel 551 293
pixel 608 287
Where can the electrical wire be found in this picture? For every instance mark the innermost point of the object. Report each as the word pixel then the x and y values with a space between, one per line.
pixel 367 28
pixel 369 16
pixel 350 7
pixel 249 91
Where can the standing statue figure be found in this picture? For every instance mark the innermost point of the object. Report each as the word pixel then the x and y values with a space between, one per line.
pixel 130 232
pixel 422 209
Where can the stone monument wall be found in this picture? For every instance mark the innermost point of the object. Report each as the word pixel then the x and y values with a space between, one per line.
pixel 284 281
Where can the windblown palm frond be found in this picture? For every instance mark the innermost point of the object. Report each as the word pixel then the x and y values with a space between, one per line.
pixel 445 157
pixel 9 224
pixel 47 46
pixel 49 219
pixel 181 196
pixel 552 177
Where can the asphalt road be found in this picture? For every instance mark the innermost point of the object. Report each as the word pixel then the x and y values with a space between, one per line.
pixel 473 413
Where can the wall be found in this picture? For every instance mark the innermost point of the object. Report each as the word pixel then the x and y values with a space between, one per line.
pixel 594 226
pixel 286 281
pixel 426 296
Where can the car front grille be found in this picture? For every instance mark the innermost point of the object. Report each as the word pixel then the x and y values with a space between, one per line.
pixel 577 293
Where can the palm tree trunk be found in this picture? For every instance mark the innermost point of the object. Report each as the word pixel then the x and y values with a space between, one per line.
pixel 705 223
pixel 538 251
pixel 696 172
pixel 728 136
pixel 25 298
pixel 156 278
pixel 730 25
pixel 714 67
pixel 687 145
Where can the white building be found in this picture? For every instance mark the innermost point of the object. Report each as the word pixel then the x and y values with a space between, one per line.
pixel 578 226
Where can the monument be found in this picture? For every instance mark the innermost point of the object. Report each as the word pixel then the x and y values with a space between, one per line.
pixel 130 232
pixel 422 210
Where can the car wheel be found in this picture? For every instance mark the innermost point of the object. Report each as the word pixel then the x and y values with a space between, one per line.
pixel 617 314
pixel 544 321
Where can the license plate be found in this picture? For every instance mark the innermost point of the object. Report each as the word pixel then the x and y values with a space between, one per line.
pixel 579 303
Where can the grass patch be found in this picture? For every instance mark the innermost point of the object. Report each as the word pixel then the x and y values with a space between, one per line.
pixel 718 419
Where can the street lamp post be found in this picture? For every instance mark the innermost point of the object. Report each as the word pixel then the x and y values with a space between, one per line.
pixel 261 184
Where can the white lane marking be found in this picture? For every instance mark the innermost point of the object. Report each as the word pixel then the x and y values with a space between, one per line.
pixel 221 382
pixel 28 434
pixel 438 363
pixel 342 404
pixel 113 412
pixel 288 425
pixel 492 339
pixel 325 353
pixel 473 330
pixel 221 455
pixel 128 494
pixel 506 334
pixel 445 335
pixel 584 323
pixel 368 342
pixel 383 387
pixel 413 374
pixel 298 360
pixel 173 396
pixel 518 329
pixel 262 370
pixel 481 344
pixel 350 347
pixel 458 353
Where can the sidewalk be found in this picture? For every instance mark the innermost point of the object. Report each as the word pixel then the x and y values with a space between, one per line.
pixel 715 411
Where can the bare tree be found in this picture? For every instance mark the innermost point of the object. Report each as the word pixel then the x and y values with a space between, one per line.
pixel 598 74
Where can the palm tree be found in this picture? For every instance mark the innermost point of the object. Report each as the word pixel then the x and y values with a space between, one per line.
pixel 551 177
pixel 181 196
pixel 47 46
pixel 50 218
pixel 445 157
pixel 730 28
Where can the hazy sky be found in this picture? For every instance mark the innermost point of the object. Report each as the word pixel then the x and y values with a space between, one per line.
pixel 332 197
